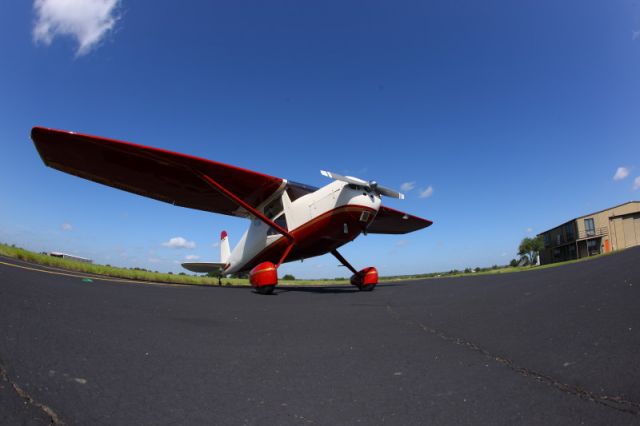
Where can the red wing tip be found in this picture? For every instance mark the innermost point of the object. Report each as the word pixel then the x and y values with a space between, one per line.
pixel 35 130
pixel 45 129
pixel 223 235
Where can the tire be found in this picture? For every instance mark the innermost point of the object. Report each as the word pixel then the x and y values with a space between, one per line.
pixel 368 287
pixel 265 289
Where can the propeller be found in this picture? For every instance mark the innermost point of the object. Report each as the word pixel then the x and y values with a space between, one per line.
pixel 372 185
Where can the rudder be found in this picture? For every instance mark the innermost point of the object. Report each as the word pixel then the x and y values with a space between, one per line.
pixel 225 250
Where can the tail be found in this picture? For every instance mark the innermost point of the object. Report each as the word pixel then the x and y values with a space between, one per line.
pixel 225 251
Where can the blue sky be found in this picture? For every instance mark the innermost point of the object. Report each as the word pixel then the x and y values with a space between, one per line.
pixel 517 115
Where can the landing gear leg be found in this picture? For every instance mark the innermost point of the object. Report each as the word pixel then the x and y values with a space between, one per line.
pixel 264 277
pixel 365 279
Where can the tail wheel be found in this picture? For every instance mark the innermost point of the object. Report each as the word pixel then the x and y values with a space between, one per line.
pixel 265 289
pixel 368 287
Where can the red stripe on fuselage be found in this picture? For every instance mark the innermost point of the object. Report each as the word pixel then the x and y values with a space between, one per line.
pixel 318 236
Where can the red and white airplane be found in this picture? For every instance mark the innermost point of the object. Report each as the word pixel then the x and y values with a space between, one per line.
pixel 289 221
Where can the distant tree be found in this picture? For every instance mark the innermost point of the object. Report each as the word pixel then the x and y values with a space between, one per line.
pixel 513 263
pixel 467 270
pixel 530 247
pixel 494 267
pixel 288 277
pixel 182 273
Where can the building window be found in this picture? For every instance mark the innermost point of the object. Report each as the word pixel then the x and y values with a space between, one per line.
pixel 589 227
pixel 593 246
pixel 569 232
pixel 558 239
pixel 547 243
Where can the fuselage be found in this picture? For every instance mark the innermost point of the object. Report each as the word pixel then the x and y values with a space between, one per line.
pixel 319 222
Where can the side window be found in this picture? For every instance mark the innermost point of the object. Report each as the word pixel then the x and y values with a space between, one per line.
pixel 274 208
pixel 281 221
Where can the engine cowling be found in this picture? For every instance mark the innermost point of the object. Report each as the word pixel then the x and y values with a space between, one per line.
pixel 366 279
pixel 264 276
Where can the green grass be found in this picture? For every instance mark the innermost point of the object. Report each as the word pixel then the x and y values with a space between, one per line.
pixel 142 275
pixel 112 271
pixel 491 271
pixel 137 274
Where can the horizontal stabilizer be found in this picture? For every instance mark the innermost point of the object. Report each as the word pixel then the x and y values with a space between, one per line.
pixel 203 267
pixel 391 221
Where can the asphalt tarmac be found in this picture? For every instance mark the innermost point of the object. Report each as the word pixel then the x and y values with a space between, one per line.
pixel 552 346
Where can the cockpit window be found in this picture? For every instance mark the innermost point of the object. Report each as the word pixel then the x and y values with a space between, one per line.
pixel 274 208
pixel 280 221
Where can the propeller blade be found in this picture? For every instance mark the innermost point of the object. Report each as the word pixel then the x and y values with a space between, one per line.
pixel 348 179
pixel 383 190
pixel 372 185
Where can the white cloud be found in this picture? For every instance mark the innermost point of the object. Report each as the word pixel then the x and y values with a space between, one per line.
pixel 635 34
pixel 529 230
pixel 407 186
pixel 192 257
pixel 87 21
pixel 66 227
pixel 179 242
pixel 636 183
pixel 621 173
pixel 425 193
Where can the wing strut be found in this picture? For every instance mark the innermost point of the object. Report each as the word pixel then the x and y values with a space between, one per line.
pixel 246 206
pixel 343 261
pixel 285 254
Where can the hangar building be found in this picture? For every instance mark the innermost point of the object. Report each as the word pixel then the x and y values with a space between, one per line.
pixel 611 229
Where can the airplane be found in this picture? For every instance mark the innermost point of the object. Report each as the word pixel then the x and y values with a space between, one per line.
pixel 289 221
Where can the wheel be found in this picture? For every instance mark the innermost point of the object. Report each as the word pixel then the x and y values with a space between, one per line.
pixel 265 289
pixel 368 287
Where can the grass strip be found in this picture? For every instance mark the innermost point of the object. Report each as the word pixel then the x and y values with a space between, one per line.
pixel 144 275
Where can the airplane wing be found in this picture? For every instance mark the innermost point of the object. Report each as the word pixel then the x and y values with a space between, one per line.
pixel 203 267
pixel 391 221
pixel 156 173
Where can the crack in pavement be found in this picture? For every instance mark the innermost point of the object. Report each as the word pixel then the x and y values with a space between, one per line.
pixel 55 419
pixel 615 402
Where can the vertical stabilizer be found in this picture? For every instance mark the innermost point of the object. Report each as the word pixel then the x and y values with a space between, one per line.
pixel 225 251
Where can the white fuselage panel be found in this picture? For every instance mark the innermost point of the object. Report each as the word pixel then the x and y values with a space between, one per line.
pixel 306 208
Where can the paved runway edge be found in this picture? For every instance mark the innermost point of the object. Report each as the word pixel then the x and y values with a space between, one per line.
pixel 553 346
